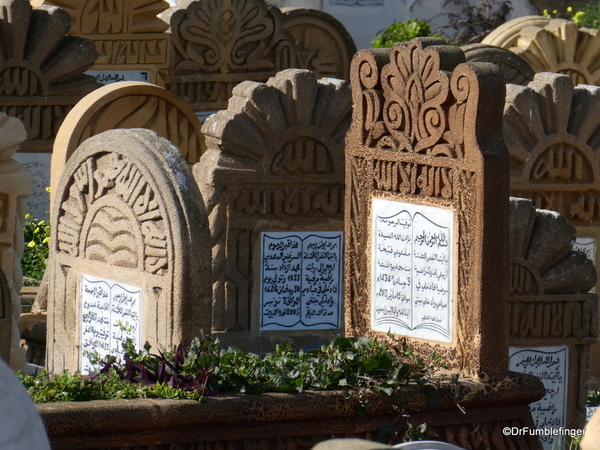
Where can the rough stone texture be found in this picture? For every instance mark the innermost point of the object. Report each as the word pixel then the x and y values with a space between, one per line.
pixel 322 43
pixel 21 426
pixel 549 303
pixel 274 162
pixel 291 421
pixel 128 104
pixel 423 135
pixel 15 186
pixel 514 68
pixel 217 44
pixel 128 210
pixel 552 45
pixel 550 129
pixel 41 69
pixel 127 33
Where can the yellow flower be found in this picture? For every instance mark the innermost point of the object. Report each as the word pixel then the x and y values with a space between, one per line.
pixel 569 9
pixel 31 244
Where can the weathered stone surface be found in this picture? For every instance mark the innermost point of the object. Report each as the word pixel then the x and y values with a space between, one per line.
pixel 128 105
pixel 41 69
pixel 514 68
pixel 127 211
pixel 274 163
pixel 15 186
pixel 217 44
pixel 322 43
pixel 291 421
pixel 127 33
pixel 556 45
pixel 21 426
pixel 422 138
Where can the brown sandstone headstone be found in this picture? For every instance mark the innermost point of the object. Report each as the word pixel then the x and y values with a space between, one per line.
pixel 131 40
pixel 41 69
pixel 129 247
pixel 272 179
pixel 556 45
pixel 217 44
pixel 323 45
pixel 553 320
pixel 128 104
pixel 427 205
pixel 551 129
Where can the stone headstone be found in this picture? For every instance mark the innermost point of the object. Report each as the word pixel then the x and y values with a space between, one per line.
pixel 128 105
pixel 514 68
pixel 15 186
pixel 41 69
pixel 553 320
pixel 129 250
pixel 556 45
pixel 272 179
pixel 217 44
pixel 322 43
pixel 550 129
pixel 131 40
pixel 38 165
pixel 426 221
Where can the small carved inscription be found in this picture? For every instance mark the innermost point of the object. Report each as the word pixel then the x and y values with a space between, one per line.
pixel 412 267
pixel 112 76
pixel 110 313
pixel 549 364
pixel 301 280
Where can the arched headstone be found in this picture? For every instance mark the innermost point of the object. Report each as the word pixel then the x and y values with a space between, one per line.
pixel 128 104
pixel 130 251
pixel 514 68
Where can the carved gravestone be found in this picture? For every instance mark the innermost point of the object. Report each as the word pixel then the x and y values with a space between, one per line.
pixel 550 129
pixel 552 45
pixel 41 69
pixel 129 253
pixel 128 105
pixel 514 68
pixel 217 44
pixel 131 40
pixel 553 320
pixel 272 179
pixel 427 205
pixel 323 45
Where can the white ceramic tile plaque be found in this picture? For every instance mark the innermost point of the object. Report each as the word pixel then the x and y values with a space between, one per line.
pixel 550 365
pixel 301 280
pixel 112 76
pixel 38 165
pixel 110 313
pixel 412 267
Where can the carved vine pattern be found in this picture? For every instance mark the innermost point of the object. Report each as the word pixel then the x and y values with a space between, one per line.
pixel 122 179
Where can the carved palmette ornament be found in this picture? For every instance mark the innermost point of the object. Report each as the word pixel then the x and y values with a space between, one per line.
pixel 421 134
pixel 274 161
pixel 216 44
pixel 127 202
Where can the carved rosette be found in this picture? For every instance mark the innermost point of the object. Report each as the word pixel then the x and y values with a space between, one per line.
pixel 282 142
pixel 127 204
pixel 418 137
pixel 551 129
pixel 556 45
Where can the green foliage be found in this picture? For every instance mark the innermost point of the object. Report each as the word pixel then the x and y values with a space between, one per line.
pixel 593 398
pixel 587 16
pixel 353 365
pixel 37 236
pixel 401 32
